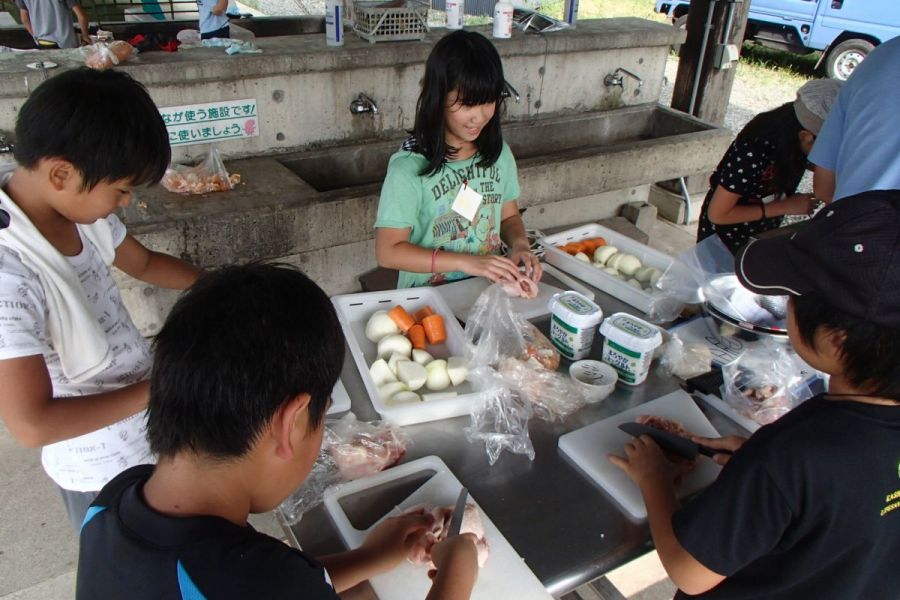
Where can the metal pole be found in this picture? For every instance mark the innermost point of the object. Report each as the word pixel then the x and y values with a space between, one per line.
pixel 703 44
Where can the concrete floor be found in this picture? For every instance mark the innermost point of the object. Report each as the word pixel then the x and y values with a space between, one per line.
pixel 38 549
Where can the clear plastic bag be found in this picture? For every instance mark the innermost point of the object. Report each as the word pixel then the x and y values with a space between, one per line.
pixel 209 175
pixel 685 360
pixel 494 331
pixel 765 382
pixel 551 394
pixel 102 55
pixel 499 419
pixel 685 279
pixel 351 449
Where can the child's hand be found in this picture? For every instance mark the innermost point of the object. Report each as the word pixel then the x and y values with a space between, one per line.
pixel 393 539
pixel 458 551
pixel 798 204
pixel 644 461
pixel 532 263
pixel 489 266
pixel 731 443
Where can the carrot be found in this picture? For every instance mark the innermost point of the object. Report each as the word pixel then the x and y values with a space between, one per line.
pixel 569 249
pixel 416 335
pixel 434 329
pixel 594 243
pixel 423 312
pixel 403 319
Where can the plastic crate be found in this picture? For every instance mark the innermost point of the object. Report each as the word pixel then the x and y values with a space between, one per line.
pixel 386 22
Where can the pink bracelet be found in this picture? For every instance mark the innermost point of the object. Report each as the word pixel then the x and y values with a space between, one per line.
pixel 433 256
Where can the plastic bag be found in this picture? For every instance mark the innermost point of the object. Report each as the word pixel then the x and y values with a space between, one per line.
pixel 208 176
pixel 104 55
pixel 499 419
pixel 765 382
pixel 496 331
pixel 685 279
pixel 685 360
pixel 351 449
pixel 551 394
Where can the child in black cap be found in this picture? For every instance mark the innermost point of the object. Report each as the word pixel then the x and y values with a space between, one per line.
pixel 809 506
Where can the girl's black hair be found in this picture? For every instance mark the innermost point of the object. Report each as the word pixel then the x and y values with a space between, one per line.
pixel 468 63
pixel 238 345
pixel 781 127
pixel 870 353
pixel 103 122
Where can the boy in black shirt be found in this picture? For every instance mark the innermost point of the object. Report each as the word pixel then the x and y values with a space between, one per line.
pixel 244 367
pixel 809 506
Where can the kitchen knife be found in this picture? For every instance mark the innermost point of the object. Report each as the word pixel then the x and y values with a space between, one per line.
pixel 670 442
pixel 458 511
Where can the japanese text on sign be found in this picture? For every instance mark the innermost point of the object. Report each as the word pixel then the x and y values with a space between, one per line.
pixel 212 122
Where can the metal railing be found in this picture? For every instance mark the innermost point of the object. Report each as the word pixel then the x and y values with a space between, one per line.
pixel 112 11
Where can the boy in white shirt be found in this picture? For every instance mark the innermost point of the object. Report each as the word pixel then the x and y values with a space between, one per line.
pixel 72 362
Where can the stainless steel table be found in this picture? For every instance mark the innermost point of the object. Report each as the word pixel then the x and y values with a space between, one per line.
pixel 567 529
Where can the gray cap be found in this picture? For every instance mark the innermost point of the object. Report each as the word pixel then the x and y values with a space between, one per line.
pixel 814 100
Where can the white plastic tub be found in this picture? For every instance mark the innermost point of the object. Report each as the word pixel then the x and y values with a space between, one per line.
pixel 354 311
pixel 640 299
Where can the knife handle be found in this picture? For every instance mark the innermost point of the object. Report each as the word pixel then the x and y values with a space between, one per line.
pixel 710 452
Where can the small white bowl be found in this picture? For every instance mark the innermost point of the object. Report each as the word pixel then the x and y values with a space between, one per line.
pixel 595 379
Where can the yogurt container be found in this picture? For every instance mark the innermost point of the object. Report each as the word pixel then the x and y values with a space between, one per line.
pixel 573 321
pixel 629 346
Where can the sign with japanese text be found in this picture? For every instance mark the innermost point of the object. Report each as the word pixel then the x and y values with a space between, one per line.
pixel 211 122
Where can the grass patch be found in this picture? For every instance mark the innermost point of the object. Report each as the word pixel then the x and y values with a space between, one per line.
pixel 604 9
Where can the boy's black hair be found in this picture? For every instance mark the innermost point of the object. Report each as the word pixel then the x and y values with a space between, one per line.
pixel 238 345
pixel 870 353
pixel 781 127
pixel 467 62
pixel 103 122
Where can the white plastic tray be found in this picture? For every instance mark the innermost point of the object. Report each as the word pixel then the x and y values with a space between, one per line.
pixel 354 311
pixel 640 299
pixel 340 399
pixel 505 575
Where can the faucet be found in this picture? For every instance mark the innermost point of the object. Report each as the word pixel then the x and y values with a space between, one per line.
pixel 363 104
pixel 6 146
pixel 615 78
pixel 510 92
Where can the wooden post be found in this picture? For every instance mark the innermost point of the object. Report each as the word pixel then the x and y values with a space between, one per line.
pixel 714 90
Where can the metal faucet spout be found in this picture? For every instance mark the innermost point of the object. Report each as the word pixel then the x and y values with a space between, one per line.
pixel 363 104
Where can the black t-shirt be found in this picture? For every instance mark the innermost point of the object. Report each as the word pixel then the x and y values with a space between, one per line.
pixel 808 508
pixel 128 550
pixel 747 169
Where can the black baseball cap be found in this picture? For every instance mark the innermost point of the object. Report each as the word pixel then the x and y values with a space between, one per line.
pixel 849 253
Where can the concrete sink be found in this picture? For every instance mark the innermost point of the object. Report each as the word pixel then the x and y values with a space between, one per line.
pixel 582 154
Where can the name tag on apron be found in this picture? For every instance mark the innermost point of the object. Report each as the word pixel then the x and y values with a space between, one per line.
pixel 466 202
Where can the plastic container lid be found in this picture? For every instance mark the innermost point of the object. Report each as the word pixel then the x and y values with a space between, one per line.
pixel 576 309
pixel 632 332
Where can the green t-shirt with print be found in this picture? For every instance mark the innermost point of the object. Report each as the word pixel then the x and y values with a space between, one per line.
pixel 422 204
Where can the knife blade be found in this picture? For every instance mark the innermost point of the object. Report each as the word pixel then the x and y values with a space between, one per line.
pixel 458 511
pixel 671 442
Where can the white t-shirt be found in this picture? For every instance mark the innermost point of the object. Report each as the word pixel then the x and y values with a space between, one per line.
pixel 85 463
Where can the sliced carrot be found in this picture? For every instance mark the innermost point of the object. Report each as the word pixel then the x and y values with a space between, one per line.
pixel 403 319
pixel 434 329
pixel 594 243
pixel 423 312
pixel 569 249
pixel 416 335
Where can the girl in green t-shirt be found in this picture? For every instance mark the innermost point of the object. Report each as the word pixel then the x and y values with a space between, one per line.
pixel 449 196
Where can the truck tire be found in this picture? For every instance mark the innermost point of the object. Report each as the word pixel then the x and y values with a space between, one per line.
pixel 846 56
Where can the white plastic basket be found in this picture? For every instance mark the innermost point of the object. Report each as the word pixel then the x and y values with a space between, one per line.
pixel 354 311
pixel 379 21
pixel 640 299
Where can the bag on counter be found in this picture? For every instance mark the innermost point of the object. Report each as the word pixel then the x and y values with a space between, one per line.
pixel 499 419
pixel 351 449
pixel 207 176
pixel 765 382
pixel 103 55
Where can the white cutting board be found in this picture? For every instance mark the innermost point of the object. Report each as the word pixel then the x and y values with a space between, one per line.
pixel 505 575
pixel 587 448
pixel 461 295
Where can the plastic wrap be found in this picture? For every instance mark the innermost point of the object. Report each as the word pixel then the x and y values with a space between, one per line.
pixel 351 449
pixel 499 419
pixel 495 330
pixel 102 55
pixel 552 395
pixel 209 175
pixel 765 382
pixel 685 360
pixel 685 279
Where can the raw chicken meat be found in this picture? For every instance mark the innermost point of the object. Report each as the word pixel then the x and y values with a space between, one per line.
pixel 669 426
pixel 360 449
pixel 522 287
pixel 421 553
